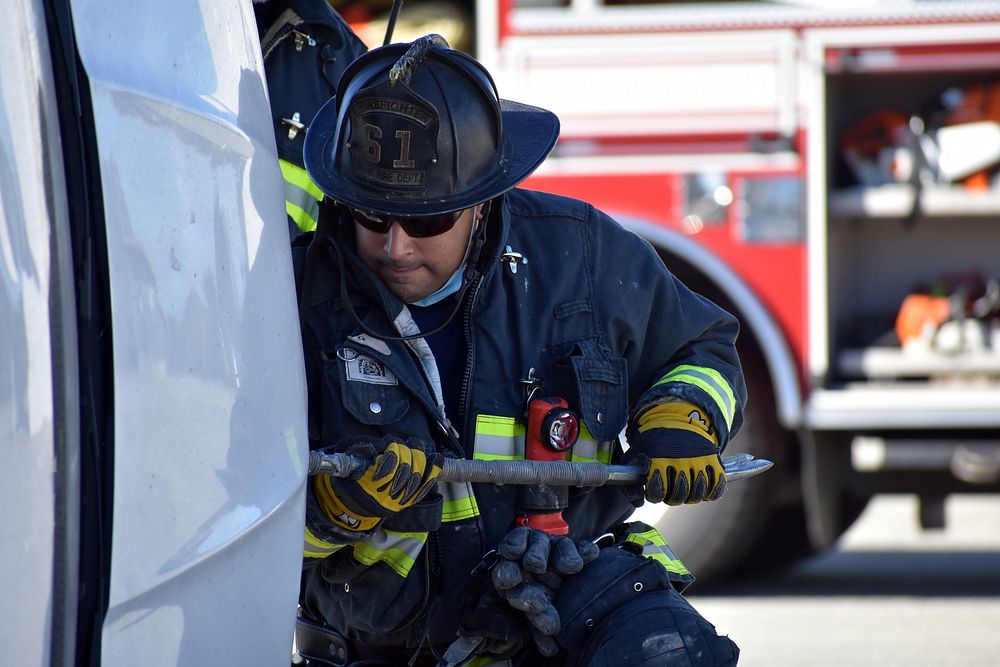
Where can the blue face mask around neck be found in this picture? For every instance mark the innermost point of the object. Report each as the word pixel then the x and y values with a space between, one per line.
pixel 455 282
pixel 449 288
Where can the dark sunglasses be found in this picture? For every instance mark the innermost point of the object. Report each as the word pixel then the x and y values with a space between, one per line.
pixel 417 226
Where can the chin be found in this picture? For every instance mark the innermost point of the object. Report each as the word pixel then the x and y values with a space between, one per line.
pixel 406 295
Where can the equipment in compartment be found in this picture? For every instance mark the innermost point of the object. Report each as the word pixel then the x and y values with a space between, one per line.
pixel 959 315
pixel 954 140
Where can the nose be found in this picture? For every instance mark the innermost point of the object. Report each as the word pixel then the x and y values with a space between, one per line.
pixel 398 243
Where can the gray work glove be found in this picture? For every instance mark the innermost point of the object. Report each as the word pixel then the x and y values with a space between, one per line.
pixel 531 568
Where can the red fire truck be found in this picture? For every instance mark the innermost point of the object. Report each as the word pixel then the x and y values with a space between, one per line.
pixel 828 172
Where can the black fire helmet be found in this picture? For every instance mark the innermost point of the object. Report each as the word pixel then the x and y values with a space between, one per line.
pixel 418 129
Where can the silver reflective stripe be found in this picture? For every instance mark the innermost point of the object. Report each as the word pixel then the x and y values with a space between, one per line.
pixel 588 448
pixel 666 557
pixel 459 501
pixel 503 438
pixel 655 547
pixel 397 550
pixel 314 547
pixel 303 212
pixel 498 438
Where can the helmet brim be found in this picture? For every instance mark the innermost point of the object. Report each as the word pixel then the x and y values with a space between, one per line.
pixel 529 134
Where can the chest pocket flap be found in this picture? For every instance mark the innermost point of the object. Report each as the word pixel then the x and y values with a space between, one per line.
pixel 371 392
pixel 602 388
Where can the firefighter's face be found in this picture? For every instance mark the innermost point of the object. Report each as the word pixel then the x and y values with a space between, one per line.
pixel 411 267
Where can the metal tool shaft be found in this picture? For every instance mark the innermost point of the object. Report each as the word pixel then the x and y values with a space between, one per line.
pixel 556 473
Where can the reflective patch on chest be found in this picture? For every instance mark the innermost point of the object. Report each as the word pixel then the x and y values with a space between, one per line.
pixel 366 369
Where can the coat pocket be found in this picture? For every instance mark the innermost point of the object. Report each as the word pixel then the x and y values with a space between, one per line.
pixel 380 586
pixel 370 392
pixel 600 384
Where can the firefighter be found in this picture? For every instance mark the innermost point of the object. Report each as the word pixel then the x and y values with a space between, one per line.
pixel 306 46
pixel 437 298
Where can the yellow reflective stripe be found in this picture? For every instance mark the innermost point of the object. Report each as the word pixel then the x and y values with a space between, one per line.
pixel 489 661
pixel 397 550
pixel 602 456
pixel 300 217
pixel 317 548
pixel 459 510
pixel 585 448
pixel 711 382
pixel 302 197
pixel 502 438
pixel 655 547
pixel 498 438
pixel 496 457
pixel 299 177
pixel 669 564
pixel 651 536
pixel 496 425
pixel 459 502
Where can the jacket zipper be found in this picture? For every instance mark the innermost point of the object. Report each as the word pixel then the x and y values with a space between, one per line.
pixel 278 38
pixel 433 563
pixel 301 37
pixel 463 396
pixel 433 545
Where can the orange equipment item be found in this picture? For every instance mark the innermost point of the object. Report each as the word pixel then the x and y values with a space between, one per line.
pixel 917 312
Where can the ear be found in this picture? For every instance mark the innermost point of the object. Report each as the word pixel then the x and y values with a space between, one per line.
pixel 479 211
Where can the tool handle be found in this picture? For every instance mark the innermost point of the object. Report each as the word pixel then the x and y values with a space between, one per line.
pixel 519 471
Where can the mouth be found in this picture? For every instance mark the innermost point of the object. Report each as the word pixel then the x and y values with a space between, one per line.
pixel 399 272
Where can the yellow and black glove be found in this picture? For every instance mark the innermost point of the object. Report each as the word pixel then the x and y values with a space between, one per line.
pixel 677 442
pixel 399 476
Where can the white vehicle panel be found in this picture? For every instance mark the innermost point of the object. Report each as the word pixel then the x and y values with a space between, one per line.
pixel 209 431
pixel 28 295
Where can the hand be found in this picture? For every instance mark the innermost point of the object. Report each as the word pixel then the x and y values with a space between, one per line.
pixel 685 480
pixel 530 570
pixel 399 476
pixel 679 448
pixel 538 552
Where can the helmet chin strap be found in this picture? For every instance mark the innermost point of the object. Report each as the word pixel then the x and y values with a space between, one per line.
pixel 470 274
pixel 455 282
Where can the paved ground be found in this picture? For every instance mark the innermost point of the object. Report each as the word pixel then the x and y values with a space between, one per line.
pixel 888 594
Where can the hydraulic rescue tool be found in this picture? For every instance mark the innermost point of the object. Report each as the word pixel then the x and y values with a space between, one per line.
pixel 564 473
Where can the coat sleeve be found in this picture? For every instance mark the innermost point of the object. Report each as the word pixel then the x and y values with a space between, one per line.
pixel 676 343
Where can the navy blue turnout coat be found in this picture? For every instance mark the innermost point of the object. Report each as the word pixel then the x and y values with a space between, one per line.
pixel 597 316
